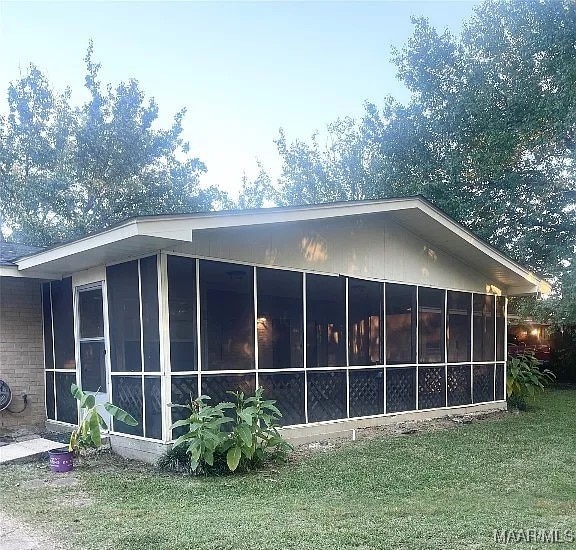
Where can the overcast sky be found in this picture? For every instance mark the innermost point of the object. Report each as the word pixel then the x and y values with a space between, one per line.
pixel 243 70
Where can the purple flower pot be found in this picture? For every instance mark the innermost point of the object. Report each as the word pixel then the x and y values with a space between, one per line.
pixel 61 460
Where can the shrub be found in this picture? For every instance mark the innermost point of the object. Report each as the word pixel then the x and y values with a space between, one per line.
pixel 208 447
pixel 524 378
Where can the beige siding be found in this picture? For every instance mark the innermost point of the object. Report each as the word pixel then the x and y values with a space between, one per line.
pixel 367 247
pixel 21 350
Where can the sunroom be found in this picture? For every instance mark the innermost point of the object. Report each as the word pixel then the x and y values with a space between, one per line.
pixel 347 314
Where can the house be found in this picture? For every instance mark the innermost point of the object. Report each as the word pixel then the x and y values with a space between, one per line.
pixel 348 314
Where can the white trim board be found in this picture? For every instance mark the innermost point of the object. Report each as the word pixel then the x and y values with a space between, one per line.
pixel 149 234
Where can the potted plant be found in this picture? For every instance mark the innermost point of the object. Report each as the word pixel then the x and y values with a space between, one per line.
pixel 88 433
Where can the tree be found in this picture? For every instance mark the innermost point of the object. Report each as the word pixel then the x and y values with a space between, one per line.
pixel 255 193
pixel 489 134
pixel 69 170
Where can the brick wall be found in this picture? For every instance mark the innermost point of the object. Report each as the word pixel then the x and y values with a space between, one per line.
pixel 21 350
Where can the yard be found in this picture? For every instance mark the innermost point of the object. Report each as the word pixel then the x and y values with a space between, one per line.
pixel 442 489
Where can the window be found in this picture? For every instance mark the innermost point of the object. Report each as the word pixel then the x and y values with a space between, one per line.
pixel 227 316
pixel 364 322
pixel 182 313
pixel 400 324
pixel 459 330
pixel 325 321
pixel 280 319
pixel 431 325
pixel 483 327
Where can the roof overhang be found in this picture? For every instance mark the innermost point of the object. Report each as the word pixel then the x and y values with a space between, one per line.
pixel 146 235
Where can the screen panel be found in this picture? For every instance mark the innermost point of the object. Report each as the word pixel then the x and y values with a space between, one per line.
pixel 366 392
pixel 227 316
pixel 91 313
pixel 459 329
pixel 325 321
pixel 127 394
pixel 287 388
pixel 66 404
pixel 47 326
pixel 93 366
pixel 431 325
pixel 400 324
pixel 50 403
pixel 63 322
pixel 326 395
pixel 150 319
pixel 365 322
pixel 500 328
pixel 431 387
pixel 483 383
pixel 483 327
pixel 183 390
pixel 459 385
pixel 500 383
pixel 182 313
pixel 216 386
pixel 280 319
pixel 153 399
pixel 124 316
pixel 400 389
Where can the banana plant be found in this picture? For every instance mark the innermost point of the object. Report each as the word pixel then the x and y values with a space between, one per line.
pixel 88 434
pixel 524 376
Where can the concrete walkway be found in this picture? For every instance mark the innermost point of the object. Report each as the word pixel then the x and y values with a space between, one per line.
pixel 27 449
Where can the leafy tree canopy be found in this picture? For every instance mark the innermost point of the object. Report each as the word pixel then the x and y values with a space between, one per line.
pixel 489 136
pixel 68 170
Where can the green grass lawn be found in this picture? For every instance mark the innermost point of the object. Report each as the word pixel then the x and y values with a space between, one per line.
pixel 445 489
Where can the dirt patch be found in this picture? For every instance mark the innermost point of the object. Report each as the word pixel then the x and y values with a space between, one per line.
pixel 398 429
pixel 54 481
pixel 16 535
pixel 80 500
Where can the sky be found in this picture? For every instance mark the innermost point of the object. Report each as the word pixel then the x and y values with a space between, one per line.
pixel 242 70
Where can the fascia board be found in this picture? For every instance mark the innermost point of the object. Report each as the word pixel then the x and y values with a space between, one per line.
pixel 539 285
pixel 81 245
pixel 160 227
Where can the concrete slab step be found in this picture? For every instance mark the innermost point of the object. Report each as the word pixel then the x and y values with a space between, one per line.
pixel 27 449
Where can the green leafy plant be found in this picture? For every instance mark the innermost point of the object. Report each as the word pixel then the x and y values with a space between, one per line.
pixel 524 378
pixel 88 434
pixel 204 434
pixel 255 434
pixel 252 437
